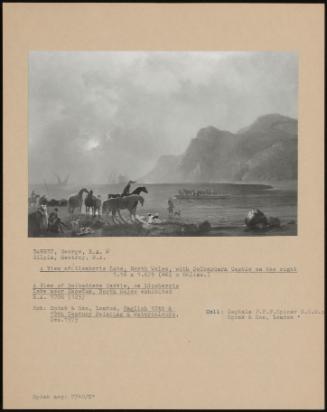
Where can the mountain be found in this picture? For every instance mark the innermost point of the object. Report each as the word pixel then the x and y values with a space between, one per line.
pixel 264 151
pixel 267 149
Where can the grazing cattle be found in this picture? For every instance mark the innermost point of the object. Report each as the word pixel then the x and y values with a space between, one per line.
pixel 53 202
pixel 63 202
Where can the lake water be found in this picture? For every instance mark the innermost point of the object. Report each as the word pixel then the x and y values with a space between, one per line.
pixel 230 211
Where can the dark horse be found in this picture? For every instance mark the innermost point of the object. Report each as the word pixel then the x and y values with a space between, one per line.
pixel 92 203
pixel 139 190
pixel 136 191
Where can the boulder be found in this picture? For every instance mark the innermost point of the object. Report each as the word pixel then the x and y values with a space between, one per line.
pixel 256 219
pixel 204 227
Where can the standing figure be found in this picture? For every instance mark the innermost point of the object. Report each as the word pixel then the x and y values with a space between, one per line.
pixel 44 219
pixel 170 206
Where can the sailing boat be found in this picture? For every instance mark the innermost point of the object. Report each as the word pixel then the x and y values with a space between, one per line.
pixel 62 182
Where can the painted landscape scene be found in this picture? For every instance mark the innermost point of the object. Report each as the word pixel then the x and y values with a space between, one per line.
pixel 162 144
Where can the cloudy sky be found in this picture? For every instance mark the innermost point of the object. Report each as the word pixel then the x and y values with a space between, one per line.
pixel 91 113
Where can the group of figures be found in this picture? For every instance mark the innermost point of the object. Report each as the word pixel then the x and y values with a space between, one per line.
pixel 40 221
pixel 191 192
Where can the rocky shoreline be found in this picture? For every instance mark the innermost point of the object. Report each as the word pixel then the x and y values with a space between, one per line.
pixel 98 227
